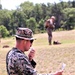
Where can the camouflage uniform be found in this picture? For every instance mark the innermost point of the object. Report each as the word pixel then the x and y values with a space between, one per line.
pixel 17 63
pixel 49 31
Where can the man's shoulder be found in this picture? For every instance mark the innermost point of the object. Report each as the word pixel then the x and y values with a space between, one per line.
pixel 14 52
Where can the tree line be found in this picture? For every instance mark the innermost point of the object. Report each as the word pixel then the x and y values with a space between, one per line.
pixel 33 16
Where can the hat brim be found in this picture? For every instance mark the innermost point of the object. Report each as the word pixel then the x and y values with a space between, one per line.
pixel 24 38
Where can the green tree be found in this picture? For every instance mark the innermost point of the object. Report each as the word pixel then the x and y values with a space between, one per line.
pixel 5 17
pixel 0 6
pixel 3 31
pixel 48 10
pixel 69 17
pixel 41 25
pixel 27 7
pixel 31 23
pixel 38 12
pixel 73 3
pixel 18 19
pixel 44 10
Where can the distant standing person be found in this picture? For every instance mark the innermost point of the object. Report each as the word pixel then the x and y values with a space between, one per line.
pixel 49 25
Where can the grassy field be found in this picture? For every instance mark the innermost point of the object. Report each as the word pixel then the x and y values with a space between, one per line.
pixel 49 58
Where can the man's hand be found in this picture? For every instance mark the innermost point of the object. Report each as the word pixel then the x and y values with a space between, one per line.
pixel 31 54
pixel 59 72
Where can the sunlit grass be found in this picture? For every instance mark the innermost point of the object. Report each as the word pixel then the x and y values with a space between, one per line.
pixel 49 58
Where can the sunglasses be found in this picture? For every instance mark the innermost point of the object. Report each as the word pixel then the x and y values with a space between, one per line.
pixel 31 41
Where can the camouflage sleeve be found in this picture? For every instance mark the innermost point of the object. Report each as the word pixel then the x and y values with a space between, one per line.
pixel 24 67
pixel 33 63
pixel 19 65
pixel 46 74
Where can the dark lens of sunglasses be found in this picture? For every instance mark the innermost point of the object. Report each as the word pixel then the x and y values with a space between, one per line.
pixel 31 41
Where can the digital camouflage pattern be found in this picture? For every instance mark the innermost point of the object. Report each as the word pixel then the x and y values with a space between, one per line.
pixel 17 63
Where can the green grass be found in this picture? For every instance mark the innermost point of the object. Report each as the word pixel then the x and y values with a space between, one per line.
pixel 48 58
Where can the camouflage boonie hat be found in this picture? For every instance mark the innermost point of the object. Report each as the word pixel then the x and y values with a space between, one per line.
pixel 24 33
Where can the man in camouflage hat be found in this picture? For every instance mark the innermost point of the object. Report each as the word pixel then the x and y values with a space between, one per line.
pixel 17 63
pixel 49 25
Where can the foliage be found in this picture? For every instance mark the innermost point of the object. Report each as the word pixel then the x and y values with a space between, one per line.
pixel 34 15
pixel 69 17
pixel 0 6
pixel 3 31
pixel 31 23
pixel 41 25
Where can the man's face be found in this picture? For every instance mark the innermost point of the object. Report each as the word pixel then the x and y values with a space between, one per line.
pixel 28 44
